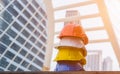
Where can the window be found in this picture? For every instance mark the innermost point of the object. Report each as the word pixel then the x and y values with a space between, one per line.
pixel 36 33
pixel 32 39
pixel 12 10
pixel 25 33
pixel 44 22
pixel 9 55
pixel 34 50
pixel 34 21
pixel 19 70
pixel 25 2
pixel 43 39
pixel 39 44
pixel 23 52
pixel 1 69
pixel 3 24
pixel 17 26
pixel 33 68
pixel 27 14
pixel 0 32
pixel 30 27
pixel 45 33
pixel 21 40
pixel 28 45
pixel 41 55
pixel 15 47
pixel 38 16
pixel 35 3
pixel 11 33
pixel 2 48
pixel 7 16
pixel 30 57
pixel 18 59
pixel 40 28
pixel 18 5
pixel 5 39
pixel 5 2
pixel 12 67
pixel 42 11
pixel 22 20
pixel 44 48
pixel 38 62
pixel 3 62
pixel 25 64
pixel 31 8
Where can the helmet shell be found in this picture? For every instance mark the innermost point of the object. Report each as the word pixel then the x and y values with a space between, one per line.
pixel 74 30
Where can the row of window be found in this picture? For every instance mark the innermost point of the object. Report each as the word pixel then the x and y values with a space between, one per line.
pixel 13 34
pixel 17 3
pixel 23 52
pixel 4 63
pixel 15 47
pixel 23 21
pixel 15 13
pixel 30 27
pixel 6 40
pixel 25 2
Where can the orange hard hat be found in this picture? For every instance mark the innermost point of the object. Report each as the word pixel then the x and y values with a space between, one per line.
pixel 74 30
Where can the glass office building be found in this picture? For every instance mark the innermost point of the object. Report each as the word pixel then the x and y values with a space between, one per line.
pixel 23 35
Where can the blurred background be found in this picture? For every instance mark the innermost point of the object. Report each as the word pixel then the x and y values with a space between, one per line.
pixel 29 30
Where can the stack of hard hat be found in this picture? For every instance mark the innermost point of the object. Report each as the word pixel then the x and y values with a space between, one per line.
pixel 72 44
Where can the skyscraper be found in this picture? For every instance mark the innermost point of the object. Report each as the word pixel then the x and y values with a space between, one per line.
pixel 72 13
pixel 94 60
pixel 23 35
pixel 107 64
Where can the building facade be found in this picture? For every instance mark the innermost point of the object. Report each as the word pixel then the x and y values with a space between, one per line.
pixel 72 13
pixel 23 35
pixel 94 60
pixel 107 64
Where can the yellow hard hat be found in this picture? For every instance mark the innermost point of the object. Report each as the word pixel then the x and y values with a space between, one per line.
pixel 71 55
